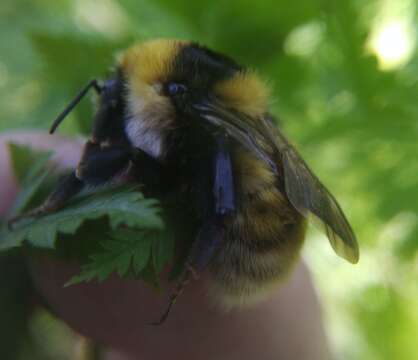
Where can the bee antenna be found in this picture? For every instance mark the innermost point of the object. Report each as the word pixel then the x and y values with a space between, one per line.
pixel 74 102
pixel 184 280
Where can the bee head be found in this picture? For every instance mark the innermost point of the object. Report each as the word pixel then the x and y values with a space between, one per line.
pixel 168 84
pixel 163 86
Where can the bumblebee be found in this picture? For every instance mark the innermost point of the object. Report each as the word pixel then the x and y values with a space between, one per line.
pixel 185 120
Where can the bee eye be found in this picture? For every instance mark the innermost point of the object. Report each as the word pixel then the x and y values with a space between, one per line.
pixel 176 88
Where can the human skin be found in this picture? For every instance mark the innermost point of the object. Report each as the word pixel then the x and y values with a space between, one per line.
pixel 117 313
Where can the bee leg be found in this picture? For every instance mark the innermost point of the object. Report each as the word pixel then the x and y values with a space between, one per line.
pixel 68 187
pixel 97 166
pixel 207 242
pixel 212 232
pixel 192 271
pixel 223 182
pixel 181 284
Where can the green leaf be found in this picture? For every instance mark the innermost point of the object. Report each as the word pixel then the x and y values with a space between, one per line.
pixel 121 206
pixel 135 241
pixel 122 252
pixel 29 167
pixel 9 239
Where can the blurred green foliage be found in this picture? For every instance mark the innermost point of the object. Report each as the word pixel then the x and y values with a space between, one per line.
pixel 353 116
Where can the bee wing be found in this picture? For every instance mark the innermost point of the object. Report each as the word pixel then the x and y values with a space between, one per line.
pixel 237 126
pixel 310 197
pixel 304 190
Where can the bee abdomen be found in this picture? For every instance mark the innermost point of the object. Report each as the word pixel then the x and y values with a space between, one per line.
pixel 263 238
pixel 254 259
pixel 242 279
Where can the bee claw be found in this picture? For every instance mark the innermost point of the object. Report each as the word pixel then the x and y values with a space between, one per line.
pixel 11 222
pixel 161 320
pixel 184 280
pixel 164 316
pixel 195 274
pixel 31 214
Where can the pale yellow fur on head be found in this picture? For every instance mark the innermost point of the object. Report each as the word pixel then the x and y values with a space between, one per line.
pixel 150 61
pixel 146 66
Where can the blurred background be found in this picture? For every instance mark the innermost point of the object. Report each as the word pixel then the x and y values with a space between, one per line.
pixel 345 80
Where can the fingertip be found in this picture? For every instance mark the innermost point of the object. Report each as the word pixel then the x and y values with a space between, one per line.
pixel 8 183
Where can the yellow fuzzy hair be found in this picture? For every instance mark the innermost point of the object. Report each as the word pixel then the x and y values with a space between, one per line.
pixel 147 65
pixel 245 92
pixel 246 292
pixel 151 61
pixel 252 174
